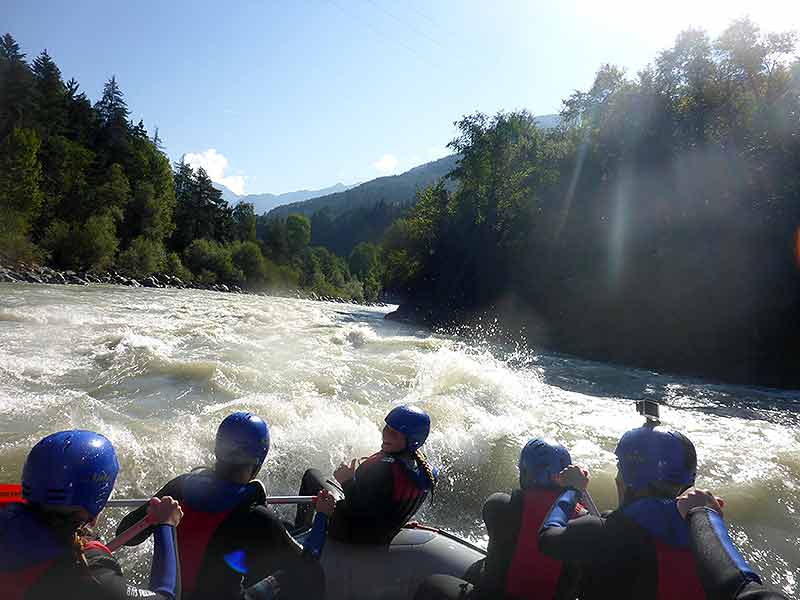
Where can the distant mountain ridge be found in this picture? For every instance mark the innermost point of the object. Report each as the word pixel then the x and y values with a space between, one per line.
pixel 263 203
pixel 392 189
pixel 339 199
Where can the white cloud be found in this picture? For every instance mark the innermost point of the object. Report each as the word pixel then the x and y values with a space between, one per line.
pixel 386 164
pixel 215 164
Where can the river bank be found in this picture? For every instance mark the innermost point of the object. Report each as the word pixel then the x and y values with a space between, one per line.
pixel 32 273
pixel 636 341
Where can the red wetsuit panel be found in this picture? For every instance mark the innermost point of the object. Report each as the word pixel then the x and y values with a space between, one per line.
pixel 532 575
pixel 95 545
pixel 677 574
pixel 405 488
pixel 194 533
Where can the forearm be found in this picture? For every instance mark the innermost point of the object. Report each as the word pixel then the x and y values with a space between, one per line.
pixel 165 573
pixel 579 539
pixel 723 571
pixel 315 540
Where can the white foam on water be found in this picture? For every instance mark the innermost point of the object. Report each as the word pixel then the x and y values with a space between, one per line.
pixel 157 370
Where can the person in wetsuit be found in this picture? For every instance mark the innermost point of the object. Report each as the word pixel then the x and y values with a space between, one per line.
pixel 386 490
pixel 642 549
pixel 47 552
pixel 723 571
pixel 514 567
pixel 228 538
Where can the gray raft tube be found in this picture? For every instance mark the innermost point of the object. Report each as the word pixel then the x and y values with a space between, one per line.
pixel 393 572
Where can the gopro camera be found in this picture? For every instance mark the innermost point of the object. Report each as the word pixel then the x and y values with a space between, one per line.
pixel 649 409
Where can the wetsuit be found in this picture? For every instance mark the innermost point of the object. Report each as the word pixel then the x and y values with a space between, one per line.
pixel 228 538
pixel 722 569
pixel 640 551
pixel 383 494
pixel 36 563
pixel 514 567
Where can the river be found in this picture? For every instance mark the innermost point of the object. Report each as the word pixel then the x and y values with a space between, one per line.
pixel 157 370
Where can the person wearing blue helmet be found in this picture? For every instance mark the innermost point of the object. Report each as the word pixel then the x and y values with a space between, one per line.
pixel 642 549
pixel 229 539
pixel 381 494
pixel 46 548
pixel 722 569
pixel 514 568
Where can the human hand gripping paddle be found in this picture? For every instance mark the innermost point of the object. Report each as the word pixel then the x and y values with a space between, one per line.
pixel 577 478
pixel 160 511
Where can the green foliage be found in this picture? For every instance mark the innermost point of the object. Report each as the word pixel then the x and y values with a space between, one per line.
pixel 298 233
pixel 247 257
pixel 113 194
pixel 89 245
pixel 174 266
pixel 144 257
pixel 20 180
pixel 212 262
pixel 244 222
pixel 364 259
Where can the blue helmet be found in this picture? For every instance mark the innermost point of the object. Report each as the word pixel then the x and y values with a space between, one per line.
pixel 242 439
pixel 648 455
pixel 412 422
pixel 71 468
pixel 540 461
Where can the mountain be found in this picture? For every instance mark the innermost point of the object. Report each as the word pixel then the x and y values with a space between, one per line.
pixel 227 194
pixel 548 121
pixel 264 203
pixel 391 190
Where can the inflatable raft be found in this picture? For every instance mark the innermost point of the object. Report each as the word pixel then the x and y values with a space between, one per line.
pixel 393 572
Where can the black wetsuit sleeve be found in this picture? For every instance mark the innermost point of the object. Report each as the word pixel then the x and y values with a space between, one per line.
pixel 172 488
pixel 299 575
pixel 583 539
pixel 110 584
pixel 502 525
pixel 722 570
pixel 366 509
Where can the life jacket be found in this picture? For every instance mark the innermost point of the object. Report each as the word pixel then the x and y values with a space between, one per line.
pixel 207 502
pixel 28 550
pixel 410 485
pixel 531 574
pixel 677 572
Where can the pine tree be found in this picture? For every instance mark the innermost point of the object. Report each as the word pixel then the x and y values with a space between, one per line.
pixel 114 141
pixel 157 142
pixel 17 96
pixel 51 110
pixel 112 107
pixel 81 117
pixel 9 49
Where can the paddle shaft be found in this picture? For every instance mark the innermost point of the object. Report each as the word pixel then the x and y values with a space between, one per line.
pixel 130 533
pixel 589 503
pixel 134 502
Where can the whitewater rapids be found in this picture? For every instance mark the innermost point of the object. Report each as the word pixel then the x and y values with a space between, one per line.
pixel 157 370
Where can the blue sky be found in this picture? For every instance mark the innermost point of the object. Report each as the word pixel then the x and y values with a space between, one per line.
pixel 280 96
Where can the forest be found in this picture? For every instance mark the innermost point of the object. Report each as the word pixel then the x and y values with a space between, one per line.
pixel 84 188
pixel 657 226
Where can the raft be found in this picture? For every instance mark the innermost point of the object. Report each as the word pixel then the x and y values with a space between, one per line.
pixel 393 572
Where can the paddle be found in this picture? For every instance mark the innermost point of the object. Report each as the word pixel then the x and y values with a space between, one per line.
pixel 12 492
pixel 588 502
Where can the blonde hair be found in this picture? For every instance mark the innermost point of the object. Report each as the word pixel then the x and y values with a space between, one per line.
pixel 426 468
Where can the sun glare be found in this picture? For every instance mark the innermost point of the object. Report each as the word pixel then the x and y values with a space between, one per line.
pixel 669 18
